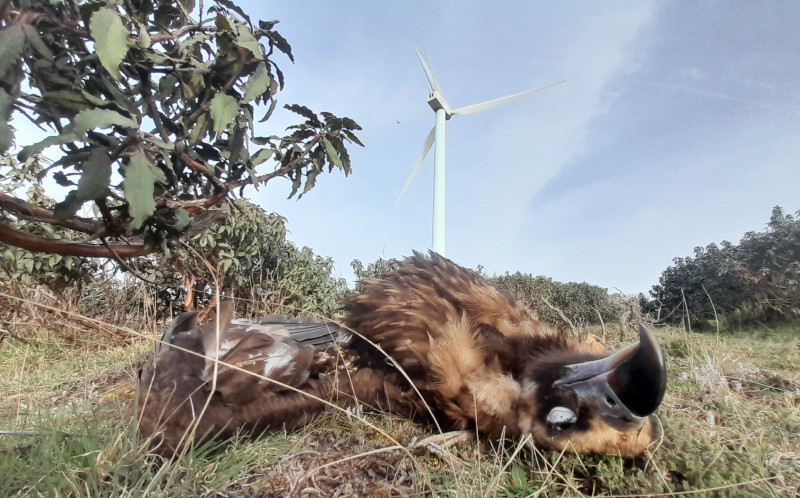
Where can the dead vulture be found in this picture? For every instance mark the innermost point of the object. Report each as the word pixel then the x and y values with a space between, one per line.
pixel 478 359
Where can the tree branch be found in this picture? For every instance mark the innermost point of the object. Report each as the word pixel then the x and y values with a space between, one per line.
pixel 297 162
pixel 29 212
pixel 36 243
pixel 200 168
pixel 182 31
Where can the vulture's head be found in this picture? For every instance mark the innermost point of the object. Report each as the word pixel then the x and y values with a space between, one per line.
pixel 583 403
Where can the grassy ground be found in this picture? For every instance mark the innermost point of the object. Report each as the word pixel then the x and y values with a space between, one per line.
pixel 731 423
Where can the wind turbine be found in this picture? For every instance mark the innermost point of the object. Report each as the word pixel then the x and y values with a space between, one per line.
pixel 443 112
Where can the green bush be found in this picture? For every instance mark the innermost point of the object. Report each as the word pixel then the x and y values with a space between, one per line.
pixel 756 281
pixel 252 260
pixel 580 303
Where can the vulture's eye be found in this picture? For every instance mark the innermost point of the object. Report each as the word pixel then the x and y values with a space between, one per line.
pixel 561 418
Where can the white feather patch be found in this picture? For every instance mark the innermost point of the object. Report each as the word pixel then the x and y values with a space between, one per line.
pixel 281 356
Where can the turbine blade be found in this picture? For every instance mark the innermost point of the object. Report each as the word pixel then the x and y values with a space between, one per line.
pixel 502 100
pixel 428 73
pixel 428 143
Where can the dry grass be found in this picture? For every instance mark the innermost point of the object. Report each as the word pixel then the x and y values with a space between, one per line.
pixel 731 422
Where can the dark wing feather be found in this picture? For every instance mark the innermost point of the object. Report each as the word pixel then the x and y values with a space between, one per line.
pixel 176 383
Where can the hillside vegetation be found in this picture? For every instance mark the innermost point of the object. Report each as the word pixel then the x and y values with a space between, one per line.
pixel 754 281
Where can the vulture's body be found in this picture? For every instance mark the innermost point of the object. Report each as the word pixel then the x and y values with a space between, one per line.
pixel 477 358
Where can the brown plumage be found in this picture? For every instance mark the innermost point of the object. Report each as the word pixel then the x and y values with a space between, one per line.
pixel 479 359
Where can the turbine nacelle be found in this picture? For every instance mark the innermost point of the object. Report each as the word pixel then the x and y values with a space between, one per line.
pixel 436 101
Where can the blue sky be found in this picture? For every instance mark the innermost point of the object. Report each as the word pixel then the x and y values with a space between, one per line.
pixel 679 125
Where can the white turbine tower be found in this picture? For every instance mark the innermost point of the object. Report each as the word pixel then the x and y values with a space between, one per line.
pixel 443 113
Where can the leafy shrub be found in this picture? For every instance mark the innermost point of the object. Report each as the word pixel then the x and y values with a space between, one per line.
pixel 18 266
pixel 252 261
pixel 247 253
pixel 580 303
pixel 377 269
pixel 756 281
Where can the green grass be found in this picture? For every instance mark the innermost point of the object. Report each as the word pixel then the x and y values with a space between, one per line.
pixel 731 423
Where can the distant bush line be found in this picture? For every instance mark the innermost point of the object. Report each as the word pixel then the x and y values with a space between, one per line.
pixel 756 281
pixel 733 285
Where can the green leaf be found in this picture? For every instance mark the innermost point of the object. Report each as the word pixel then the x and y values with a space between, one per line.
pixel 68 207
pixel 305 112
pixel 282 44
pixel 229 4
pixel 160 143
pixel 96 175
pixel 333 155
pixel 223 109
pixel 272 106
pixel 12 41
pixel 248 41
pixel 99 118
pixel 257 83
pixel 188 5
pixel 343 155
pixel 519 477
pixel 350 124
pixel 199 130
pixel 94 99
pixel 261 156
pixel 236 143
pixel 351 136
pixel 144 37
pixel 222 23
pixel 67 99
pixel 296 178
pixel 34 149
pixel 311 180
pixel 182 219
pixel 253 177
pixel 139 187
pixel 36 42
pixel 6 135
pixel 110 39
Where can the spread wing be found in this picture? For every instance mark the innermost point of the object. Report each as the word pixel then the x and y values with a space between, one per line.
pixel 185 394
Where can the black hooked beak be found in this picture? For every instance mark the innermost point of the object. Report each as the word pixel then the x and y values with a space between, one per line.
pixel 627 386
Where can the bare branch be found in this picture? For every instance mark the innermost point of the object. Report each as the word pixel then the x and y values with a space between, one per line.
pixel 36 243
pixel 30 212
